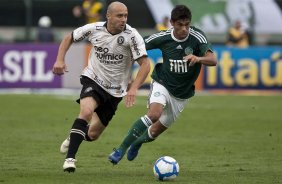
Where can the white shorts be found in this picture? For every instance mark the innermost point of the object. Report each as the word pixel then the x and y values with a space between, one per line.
pixel 172 106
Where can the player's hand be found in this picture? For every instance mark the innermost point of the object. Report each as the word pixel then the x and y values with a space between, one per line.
pixel 130 98
pixel 59 68
pixel 192 59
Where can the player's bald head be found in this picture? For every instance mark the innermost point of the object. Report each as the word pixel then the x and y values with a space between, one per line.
pixel 115 6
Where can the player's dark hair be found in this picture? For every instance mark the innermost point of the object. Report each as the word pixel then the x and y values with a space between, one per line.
pixel 181 12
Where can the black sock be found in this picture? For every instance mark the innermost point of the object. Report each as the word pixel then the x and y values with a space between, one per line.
pixel 87 138
pixel 77 135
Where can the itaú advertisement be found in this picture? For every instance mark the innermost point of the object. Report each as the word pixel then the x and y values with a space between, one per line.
pixel 28 66
pixel 254 68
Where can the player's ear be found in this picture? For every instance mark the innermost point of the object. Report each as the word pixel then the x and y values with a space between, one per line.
pixel 108 15
pixel 172 22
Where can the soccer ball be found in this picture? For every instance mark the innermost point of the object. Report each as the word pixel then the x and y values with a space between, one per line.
pixel 166 168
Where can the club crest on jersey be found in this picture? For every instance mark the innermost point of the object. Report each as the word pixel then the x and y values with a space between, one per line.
pixel 156 94
pixel 188 50
pixel 120 40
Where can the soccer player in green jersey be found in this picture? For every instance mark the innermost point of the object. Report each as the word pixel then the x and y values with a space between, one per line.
pixel 185 49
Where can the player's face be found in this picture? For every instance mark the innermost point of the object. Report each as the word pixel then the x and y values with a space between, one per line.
pixel 181 28
pixel 117 20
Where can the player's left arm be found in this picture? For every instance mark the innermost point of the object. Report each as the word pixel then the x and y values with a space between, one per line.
pixel 209 59
pixel 139 54
pixel 139 80
pixel 204 54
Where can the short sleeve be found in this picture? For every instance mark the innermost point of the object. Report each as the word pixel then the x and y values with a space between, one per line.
pixel 82 32
pixel 150 42
pixel 204 44
pixel 137 45
pixel 204 48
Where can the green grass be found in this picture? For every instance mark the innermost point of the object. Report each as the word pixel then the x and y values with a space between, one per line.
pixel 217 140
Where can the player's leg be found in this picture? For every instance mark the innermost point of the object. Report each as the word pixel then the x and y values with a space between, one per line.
pixel 88 103
pixel 141 125
pixel 148 136
pixel 157 102
pixel 134 132
pixel 78 131
pixel 138 128
pixel 79 128
pixel 93 98
pixel 169 115
pixel 65 145
pixel 93 133
pixel 95 128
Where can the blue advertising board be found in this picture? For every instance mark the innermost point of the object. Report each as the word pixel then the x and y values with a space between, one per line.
pixel 257 68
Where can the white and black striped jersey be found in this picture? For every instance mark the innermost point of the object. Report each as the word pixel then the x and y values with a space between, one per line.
pixel 111 57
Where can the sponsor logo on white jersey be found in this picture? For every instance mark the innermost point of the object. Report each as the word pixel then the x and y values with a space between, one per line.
pixel 106 57
pixel 135 45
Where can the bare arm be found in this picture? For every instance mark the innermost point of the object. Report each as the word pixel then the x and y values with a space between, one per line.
pixel 59 66
pixel 209 59
pixel 140 78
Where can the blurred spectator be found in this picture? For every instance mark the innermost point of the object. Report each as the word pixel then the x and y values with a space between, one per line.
pixel 44 31
pixel 78 15
pixel 164 25
pixel 238 35
pixel 89 12
pixel 249 32
pixel 92 10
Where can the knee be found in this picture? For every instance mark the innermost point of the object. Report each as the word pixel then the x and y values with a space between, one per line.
pixel 154 133
pixel 86 113
pixel 154 116
pixel 93 136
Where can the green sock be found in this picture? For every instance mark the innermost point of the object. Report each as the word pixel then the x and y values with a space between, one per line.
pixel 144 138
pixel 135 132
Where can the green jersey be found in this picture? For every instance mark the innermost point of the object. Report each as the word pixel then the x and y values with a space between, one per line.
pixel 174 73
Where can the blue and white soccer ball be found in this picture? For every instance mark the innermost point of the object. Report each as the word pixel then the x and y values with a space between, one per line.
pixel 166 168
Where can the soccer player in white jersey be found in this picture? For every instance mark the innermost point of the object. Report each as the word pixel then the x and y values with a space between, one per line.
pixel 184 49
pixel 105 80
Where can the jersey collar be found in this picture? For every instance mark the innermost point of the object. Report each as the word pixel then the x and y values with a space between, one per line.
pixel 105 25
pixel 173 37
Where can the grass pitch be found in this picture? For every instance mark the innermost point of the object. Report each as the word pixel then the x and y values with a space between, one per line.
pixel 217 140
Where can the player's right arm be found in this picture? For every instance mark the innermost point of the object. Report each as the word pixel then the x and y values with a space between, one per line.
pixel 77 35
pixel 60 67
